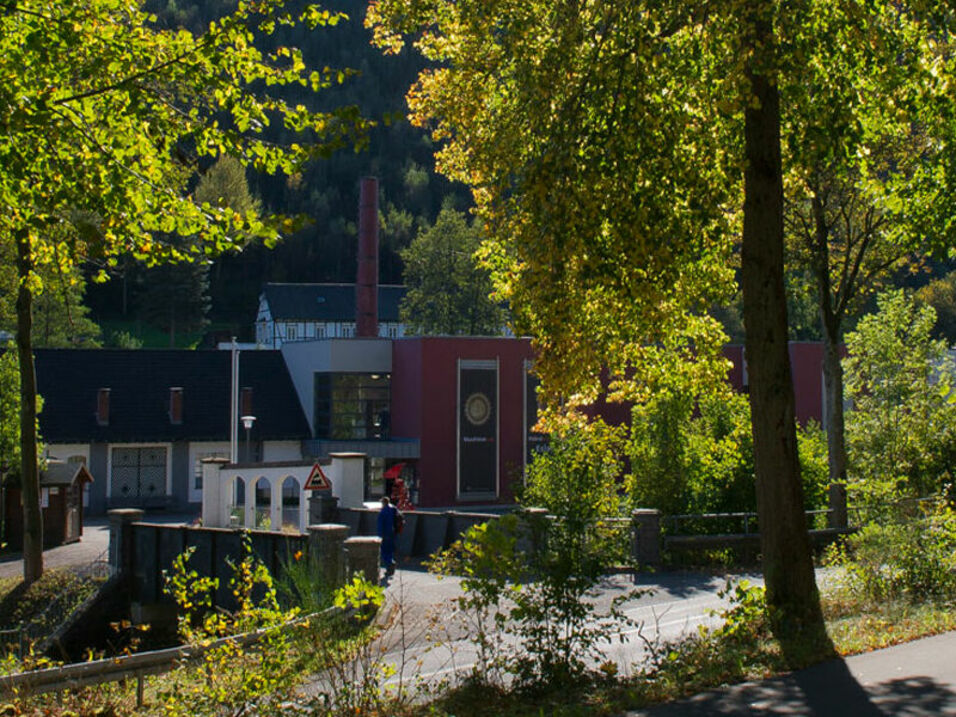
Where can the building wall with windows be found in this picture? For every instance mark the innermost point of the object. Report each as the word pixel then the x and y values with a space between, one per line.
pixel 144 419
pixel 290 313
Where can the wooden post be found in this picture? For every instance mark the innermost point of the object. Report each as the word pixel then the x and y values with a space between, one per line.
pixel 837 517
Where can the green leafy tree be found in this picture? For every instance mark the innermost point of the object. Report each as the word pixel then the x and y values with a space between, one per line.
pixel 105 115
pixel 10 413
pixel 231 282
pixel 941 295
pixel 845 230
pixel 614 150
pixel 902 429
pixel 694 454
pixel 448 292
pixel 60 315
pixel 175 297
pixel 535 575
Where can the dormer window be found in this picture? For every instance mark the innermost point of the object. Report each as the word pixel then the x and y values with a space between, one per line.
pixel 103 407
pixel 176 406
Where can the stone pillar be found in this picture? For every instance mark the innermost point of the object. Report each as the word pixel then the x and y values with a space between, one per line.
pixel 362 556
pixel 327 549
pixel 532 530
pixel 837 517
pixel 323 507
pixel 121 538
pixel 646 536
pixel 347 476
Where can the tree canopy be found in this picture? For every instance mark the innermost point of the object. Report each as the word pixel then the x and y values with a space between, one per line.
pixel 867 150
pixel 104 117
pixel 616 151
pixel 447 292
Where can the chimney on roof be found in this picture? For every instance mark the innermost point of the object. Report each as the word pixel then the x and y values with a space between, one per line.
pixel 366 283
pixel 176 405
pixel 103 407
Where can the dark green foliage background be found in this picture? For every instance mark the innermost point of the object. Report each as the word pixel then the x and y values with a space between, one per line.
pixel 326 193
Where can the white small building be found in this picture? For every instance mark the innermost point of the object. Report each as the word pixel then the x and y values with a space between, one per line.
pixel 305 312
pixel 275 495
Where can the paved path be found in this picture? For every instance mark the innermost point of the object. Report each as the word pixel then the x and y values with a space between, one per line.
pixel 93 545
pixel 428 642
pixel 913 679
pixel 427 638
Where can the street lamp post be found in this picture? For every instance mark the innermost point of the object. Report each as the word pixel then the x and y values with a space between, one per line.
pixel 247 422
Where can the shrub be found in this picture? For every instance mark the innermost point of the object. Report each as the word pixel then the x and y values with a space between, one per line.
pixel 913 560
pixel 532 576
pixel 238 678
pixel 901 433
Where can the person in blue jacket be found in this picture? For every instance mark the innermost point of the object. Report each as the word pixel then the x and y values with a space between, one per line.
pixel 386 531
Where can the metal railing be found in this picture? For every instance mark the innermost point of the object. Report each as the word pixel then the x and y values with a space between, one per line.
pixel 137 666
pixel 735 523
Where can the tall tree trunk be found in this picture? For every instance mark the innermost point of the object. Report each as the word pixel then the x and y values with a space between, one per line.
pixel 836 425
pixel 29 468
pixel 831 318
pixel 792 597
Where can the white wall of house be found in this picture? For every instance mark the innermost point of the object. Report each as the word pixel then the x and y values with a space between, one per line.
pixel 264 323
pixel 73 452
pixel 198 451
pixel 66 451
pixel 222 507
pixel 274 334
pixel 274 451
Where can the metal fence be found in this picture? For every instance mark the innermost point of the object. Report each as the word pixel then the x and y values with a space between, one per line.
pixel 731 523
pixel 137 666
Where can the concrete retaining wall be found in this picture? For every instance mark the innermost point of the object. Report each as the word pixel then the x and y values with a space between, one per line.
pixel 425 532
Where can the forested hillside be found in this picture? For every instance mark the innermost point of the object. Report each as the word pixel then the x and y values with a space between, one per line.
pixel 326 193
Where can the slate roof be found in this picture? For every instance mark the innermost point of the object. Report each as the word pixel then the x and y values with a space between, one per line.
pixel 63 473
pixel 327 302
pixel 139 381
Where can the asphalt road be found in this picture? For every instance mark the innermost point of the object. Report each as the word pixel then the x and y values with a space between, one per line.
pixel 426 643
pixel 92 546
pixel 426 640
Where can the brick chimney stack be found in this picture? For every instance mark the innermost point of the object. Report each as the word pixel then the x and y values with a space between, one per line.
pixel 366 283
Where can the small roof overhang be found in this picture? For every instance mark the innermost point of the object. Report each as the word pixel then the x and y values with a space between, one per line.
pixel 63 473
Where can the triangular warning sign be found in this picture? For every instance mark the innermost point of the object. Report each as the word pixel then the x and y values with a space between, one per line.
pixel 317 479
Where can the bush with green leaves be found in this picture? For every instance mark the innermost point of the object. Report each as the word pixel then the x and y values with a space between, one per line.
pixel 694 454
pixel 901 433
pixel 239 678
pixel 912 559
pixel 531 577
